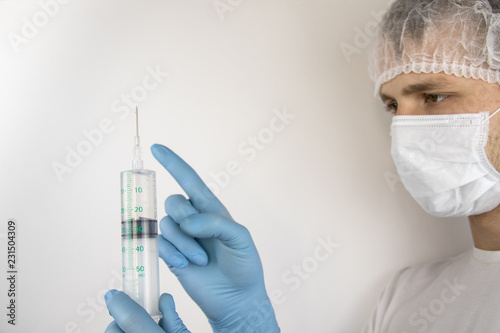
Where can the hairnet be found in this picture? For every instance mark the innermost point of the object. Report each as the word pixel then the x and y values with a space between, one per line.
pixel 456 37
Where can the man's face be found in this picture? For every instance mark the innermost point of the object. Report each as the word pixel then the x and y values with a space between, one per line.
pixel 429 94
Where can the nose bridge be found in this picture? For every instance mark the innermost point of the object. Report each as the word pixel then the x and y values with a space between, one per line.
pixel 408 107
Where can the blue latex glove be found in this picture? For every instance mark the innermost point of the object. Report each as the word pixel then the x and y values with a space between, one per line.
pixel 130 317
pixel 213 257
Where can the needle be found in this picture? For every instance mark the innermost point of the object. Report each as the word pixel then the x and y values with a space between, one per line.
pixel 137 161
pixel 137 126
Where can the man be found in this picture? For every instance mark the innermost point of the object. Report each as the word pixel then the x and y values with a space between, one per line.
pixel 436 65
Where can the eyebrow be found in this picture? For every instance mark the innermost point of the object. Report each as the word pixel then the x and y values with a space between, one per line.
pixel 418 88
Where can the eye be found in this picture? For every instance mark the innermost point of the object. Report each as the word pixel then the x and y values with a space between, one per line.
pixel 435 98
pixel 392 106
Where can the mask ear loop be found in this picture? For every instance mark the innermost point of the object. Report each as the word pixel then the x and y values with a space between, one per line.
pixel 494 113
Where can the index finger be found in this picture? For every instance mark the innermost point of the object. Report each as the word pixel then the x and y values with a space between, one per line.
pixel 198 192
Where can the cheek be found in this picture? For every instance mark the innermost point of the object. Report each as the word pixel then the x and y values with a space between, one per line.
pixel 493 149
pixel 486 101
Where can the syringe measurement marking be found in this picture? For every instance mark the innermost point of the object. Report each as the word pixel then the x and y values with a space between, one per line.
pixel 130 234
pixel 136 230
pixel 128 200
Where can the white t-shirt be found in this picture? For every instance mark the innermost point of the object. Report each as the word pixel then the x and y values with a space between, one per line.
pixel 456 295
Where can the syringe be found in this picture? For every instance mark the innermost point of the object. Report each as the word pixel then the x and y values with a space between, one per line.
pixel 140 233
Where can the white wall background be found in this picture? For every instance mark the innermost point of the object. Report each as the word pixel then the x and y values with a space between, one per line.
pixel 328 174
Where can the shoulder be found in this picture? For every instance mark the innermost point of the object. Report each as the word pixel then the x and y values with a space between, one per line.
pixel 410 284
pixel 413 279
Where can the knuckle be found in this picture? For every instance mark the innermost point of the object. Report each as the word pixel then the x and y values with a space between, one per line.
pixel 172 201
pixel 165 226
pixel 179 326
pixel 244 231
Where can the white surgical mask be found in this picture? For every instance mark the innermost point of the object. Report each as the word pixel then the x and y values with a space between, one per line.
pixel 442 162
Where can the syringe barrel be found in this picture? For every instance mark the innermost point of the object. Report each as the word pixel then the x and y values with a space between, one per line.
pixel 140 239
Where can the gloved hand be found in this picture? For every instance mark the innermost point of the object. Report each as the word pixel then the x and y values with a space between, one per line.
pixel 213 257
pixel 130 317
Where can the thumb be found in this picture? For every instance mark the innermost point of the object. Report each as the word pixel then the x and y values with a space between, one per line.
pixel 171 323
pixel 209 225
pixel 129 315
